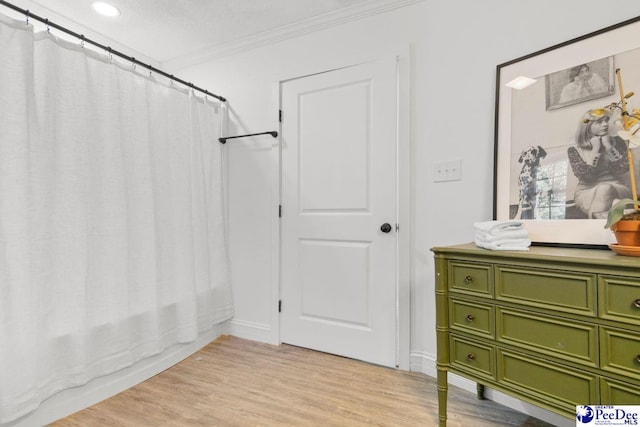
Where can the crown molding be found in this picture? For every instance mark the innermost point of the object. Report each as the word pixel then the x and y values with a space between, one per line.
pixel 327 20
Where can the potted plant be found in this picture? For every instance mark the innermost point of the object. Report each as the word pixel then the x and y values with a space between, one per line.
pixel 624 220
pixel 624 216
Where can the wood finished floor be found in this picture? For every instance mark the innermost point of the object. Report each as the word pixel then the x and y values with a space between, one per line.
pixel 236 382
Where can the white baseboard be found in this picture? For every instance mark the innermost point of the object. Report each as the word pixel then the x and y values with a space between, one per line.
pixel 75 399
pixel 426 364
pixel 252 331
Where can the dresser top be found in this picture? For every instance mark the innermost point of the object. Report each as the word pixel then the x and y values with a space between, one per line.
pixel 603 257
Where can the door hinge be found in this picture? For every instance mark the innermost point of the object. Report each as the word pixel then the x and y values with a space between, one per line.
pixel 279 211
pixel 397 227
pixel 280 116
pixel 279 306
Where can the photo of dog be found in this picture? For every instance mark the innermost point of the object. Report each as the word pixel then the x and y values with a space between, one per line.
pixel 527 181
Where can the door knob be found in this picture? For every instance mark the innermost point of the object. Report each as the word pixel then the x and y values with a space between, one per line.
pixel 385 228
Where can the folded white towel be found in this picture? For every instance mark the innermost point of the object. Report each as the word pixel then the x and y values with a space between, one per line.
pixel 505 244
pixel 498 227
pixel 509 234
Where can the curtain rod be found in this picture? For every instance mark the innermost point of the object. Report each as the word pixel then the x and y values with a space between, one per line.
pixel 272 133
pixel 82 38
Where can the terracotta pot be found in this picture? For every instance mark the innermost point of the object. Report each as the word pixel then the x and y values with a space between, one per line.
pixel 627 232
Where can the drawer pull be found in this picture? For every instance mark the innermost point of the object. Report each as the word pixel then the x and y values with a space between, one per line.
pixel 471 356
pixel 468 279
pixel 636 303
pixel 470 317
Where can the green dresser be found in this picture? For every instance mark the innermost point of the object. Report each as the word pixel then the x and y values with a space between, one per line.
pixel 556 327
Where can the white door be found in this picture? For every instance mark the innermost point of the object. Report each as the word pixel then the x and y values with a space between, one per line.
pixel 339 148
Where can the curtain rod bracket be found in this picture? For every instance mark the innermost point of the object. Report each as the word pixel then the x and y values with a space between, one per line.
pixel 223 140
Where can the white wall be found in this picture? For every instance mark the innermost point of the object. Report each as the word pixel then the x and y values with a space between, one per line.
pixel 455 47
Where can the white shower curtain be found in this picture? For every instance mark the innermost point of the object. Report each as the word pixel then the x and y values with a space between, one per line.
pixel 112 236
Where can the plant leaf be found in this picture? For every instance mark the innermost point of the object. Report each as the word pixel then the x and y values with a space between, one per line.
pixel 617 211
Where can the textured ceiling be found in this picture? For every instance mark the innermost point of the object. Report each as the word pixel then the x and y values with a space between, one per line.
pixel 167 30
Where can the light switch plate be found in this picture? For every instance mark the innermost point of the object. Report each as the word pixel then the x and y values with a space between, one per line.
pixel 447 171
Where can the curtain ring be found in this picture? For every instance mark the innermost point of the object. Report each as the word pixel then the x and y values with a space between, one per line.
pixel 82 40
pixel 27 15
pixel 133 63
pixel 46 22
pixel 108 49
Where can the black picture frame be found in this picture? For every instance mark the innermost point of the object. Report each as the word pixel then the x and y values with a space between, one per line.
pixel 524 120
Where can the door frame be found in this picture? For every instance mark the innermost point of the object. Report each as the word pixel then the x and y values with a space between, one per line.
pixel 403 205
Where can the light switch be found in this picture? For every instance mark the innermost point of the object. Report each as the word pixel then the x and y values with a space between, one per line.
pixel 447 171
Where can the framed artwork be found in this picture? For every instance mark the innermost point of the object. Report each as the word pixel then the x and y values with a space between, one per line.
pixel 580 83
pixel 542 100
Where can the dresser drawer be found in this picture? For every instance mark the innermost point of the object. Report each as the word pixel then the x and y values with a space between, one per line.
pixel 555 336
pixel 618 393
pixel 555 385
pixel 474 358
pixel 570 292
pixel 620 299
pixel 620 352
pixel 471 317
pixel 471 278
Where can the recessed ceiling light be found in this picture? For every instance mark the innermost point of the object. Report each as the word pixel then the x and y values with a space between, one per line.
pixel 105 9
pixel 520 82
